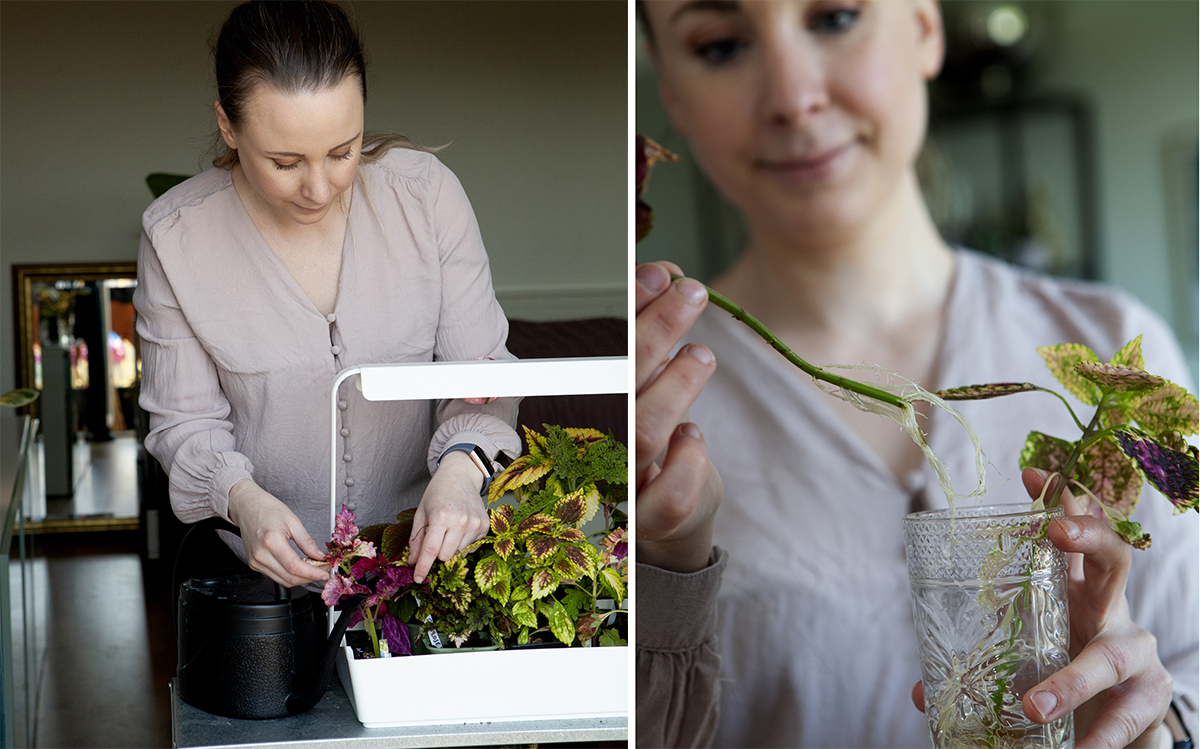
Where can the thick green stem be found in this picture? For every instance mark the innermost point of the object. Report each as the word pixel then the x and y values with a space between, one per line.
pixel 816 372
pixel 1069 468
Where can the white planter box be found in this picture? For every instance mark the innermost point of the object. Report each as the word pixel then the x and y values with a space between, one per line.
pixel 494 685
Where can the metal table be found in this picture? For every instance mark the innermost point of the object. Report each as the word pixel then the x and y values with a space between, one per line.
pixel 333 725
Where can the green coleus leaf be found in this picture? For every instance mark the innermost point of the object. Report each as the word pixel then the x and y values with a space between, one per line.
pixel 570 509
pixel 1132 532
pixel 1045 452
pixel 1130 355
pixel 19 397
pixel 570 563
pixel 612 582
pixel 492 577
pixel 543 583
pixel 504 547
pixel 1170 408
pixel 560 623
pixel 523 613
pixel 983 392
pixel 1061 360
pixel 523 471
pixel 582 558
pixel 610 639
pixel 499 522
pixel 539 523
pixel 1173 472
pixel 1118 378
pixel 540 547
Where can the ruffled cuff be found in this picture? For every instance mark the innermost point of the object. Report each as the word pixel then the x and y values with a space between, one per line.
pixel 678 611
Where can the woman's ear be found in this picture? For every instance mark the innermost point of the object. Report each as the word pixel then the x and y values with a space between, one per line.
pixel 224 125
pixel 931 37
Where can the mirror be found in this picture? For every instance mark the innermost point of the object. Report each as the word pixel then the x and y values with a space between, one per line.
pixel 76 344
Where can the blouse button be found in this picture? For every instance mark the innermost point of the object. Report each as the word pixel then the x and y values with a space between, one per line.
pixel 331 317
pixel 336 350
pixel 347 457
pixel 349 482
pixel 351 505
pixel 345 432
pixel 342 405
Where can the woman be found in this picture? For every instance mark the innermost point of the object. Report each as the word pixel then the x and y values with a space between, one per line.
pixel 310 247
pixel 808 117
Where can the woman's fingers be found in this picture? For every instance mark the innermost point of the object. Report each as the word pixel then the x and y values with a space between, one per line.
pixel 663 405
pixel 677 503
pixel 663 320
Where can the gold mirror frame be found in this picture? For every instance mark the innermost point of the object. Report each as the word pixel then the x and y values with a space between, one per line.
pixel 25 276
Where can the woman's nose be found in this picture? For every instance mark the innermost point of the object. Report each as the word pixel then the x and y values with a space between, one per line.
pixel 794 85
pixel 315 186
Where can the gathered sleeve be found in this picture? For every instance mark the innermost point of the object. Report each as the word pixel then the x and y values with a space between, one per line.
pixel 190 434
pixel 471 324
pixel 678 666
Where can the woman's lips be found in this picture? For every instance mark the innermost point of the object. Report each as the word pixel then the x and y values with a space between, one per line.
pixel 807 169
pixel 309 211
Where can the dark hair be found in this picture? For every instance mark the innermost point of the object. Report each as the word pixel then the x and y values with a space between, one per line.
pixel 293 46
pixel 639 7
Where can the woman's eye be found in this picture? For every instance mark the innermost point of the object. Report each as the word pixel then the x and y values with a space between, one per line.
pixel 720 51
pixel 835 21
pixel 343 156
pixel 282 167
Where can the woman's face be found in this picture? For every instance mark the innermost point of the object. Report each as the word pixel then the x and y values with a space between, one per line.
pixel 298 152
pixel 806 114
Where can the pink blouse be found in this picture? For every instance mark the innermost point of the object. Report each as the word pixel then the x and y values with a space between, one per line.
pixel 238 362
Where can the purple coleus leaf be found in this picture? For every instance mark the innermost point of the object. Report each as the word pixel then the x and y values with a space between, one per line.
pixel 340 587
pixel 344 529
pixel 1172 472
pixel 396 635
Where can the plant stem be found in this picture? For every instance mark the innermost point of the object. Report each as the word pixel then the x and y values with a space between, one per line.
pixel 813 371
pixel 1076 453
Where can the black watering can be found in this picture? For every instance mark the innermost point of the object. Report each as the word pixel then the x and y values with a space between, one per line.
pixel 251 648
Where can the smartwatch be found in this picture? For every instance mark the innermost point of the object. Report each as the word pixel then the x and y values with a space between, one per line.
pixel 479 457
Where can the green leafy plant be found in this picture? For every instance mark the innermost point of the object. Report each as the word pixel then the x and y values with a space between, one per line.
pixel 535 572
pixel 19 397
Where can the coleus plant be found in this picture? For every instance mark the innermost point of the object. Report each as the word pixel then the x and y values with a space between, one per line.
pixel 1137 429
pixel 534 571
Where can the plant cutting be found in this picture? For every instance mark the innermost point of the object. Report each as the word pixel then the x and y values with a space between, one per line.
pixel 535 572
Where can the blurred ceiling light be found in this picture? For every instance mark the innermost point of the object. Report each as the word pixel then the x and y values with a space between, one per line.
pixel 1006 25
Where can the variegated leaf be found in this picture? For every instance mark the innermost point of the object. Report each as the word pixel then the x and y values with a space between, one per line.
pixel 983 392
pixel 522 472
pixel 1061 360
pixel 543 583
pixel 1111 476
pixel 613 582
pixel 561 624
pixel 584 435
pixel 541 547
pixel 571 563
pixel 1172 472
pixel 1117 378
pixel 570 534
pixel 488 571
pixel 1130 355
pixel 583 557
pixel 1045 452
pixel 523 613
pixel 539 523
pixel 395 539
pixel 500 524
pixel 569 510
pixel 504 547
pixel 535 442
pixel 586 625
pixel 591 498
pixel 1169 408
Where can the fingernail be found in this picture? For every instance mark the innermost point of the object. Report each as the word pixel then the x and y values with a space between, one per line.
pixel 652 277
pixel 692 291
pixel 691 430
pixel 1045 702
pixel 700 353
pixel 1070 527
pixel 1042 474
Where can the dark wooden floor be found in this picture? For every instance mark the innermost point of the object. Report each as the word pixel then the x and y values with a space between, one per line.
pixel 110 644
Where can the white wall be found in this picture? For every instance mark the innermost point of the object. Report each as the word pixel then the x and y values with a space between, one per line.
pixel 531 97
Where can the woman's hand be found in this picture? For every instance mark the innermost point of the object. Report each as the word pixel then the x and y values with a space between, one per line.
pixel 451 516
pixel 678 489
pixel 1115 683
pixel 267 525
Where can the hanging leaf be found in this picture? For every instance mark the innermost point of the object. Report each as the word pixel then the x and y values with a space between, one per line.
pixel 1061 360
pixel 611 579
pixel 588 624
pixel 983 392
pixel 1172 472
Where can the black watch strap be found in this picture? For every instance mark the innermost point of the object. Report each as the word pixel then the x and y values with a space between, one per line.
pixel 1184 742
